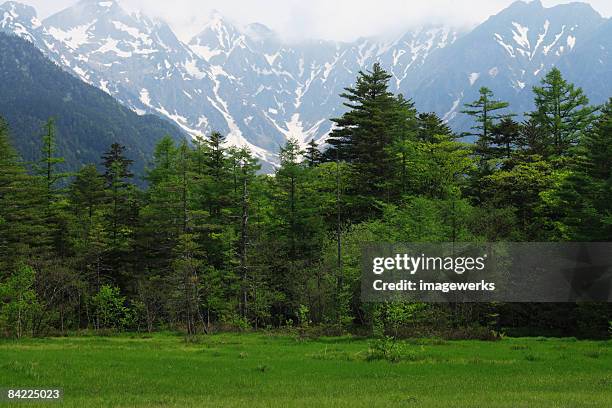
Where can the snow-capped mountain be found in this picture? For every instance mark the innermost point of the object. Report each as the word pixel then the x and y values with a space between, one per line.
pixel 509 53
pixel 259 90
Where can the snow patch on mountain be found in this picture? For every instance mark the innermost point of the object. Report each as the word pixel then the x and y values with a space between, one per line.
pixel 74 37
pixel 258 90
pixel 145 98
pixel 473 77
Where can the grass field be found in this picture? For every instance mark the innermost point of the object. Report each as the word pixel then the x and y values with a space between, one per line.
pixel 259 370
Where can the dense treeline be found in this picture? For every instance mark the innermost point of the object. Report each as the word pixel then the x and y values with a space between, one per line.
pixel 211 243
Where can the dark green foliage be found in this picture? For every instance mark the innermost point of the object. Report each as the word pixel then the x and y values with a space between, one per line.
pixel 22 208
pixel 211 244
pixel 363 137
pixel 430 125
pixel 579 206
pixel 87 119
pixel 505 137
pixel 87 191
pixel 485 113
pixel 313 155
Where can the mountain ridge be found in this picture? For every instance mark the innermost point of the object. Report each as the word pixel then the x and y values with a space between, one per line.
pixel 88 120
pixel 250 84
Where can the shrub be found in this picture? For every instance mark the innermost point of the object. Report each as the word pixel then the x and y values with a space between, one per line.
pixel 387 348
pixel 304 315
pixel 235 322
pixel 109 308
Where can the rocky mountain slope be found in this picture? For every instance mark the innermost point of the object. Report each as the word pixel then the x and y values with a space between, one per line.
pixel 259 90
pixel 33 89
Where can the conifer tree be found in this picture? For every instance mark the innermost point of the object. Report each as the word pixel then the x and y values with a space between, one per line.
pixel 187 267
pixel 162 219
pixel 218 171
pixel 214 191
pixel 430 125
pixel 298 228
pixel 118 176
pixel 49 162
pixel 245 175
pixel 405 128
pixel 484 110
pixel 363 137
pixel 580 205
pixel 22 208
pixel 87 191
pixel 312 154
pixel 598 145
pixel 505 137
pixel 121 213
pixel 562 111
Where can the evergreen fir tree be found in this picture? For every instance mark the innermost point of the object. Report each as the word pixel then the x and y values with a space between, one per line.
pixel 87 191
pixel 430 125
pixel 121 210
pixel 405 128
pixel 363 137
pixel 48 165
pixel 23 230
pixel 505 137
pixel 312 154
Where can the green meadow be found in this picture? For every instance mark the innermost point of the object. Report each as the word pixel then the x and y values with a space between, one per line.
pixel 266 370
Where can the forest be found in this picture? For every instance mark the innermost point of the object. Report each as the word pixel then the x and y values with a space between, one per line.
pixel 204 242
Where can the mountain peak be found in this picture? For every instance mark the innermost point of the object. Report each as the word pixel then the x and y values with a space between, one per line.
pixel 259 32
pixel 215 18
pixel 218 32
pixel 523 7
pixel 526 6
pixel 84 12
pixel 18 18
pixel 100 4
pixel 18 9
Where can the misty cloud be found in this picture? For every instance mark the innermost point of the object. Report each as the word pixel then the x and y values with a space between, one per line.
pixel 297 19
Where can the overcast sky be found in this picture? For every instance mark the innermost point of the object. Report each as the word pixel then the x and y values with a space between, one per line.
pixel 326 19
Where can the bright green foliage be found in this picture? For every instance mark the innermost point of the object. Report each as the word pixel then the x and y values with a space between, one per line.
pixel 109 308
pixel 18 303
pixel 520 188
pixel 212 244
pixel 562 111
pixel 579 204
pixel 438 167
